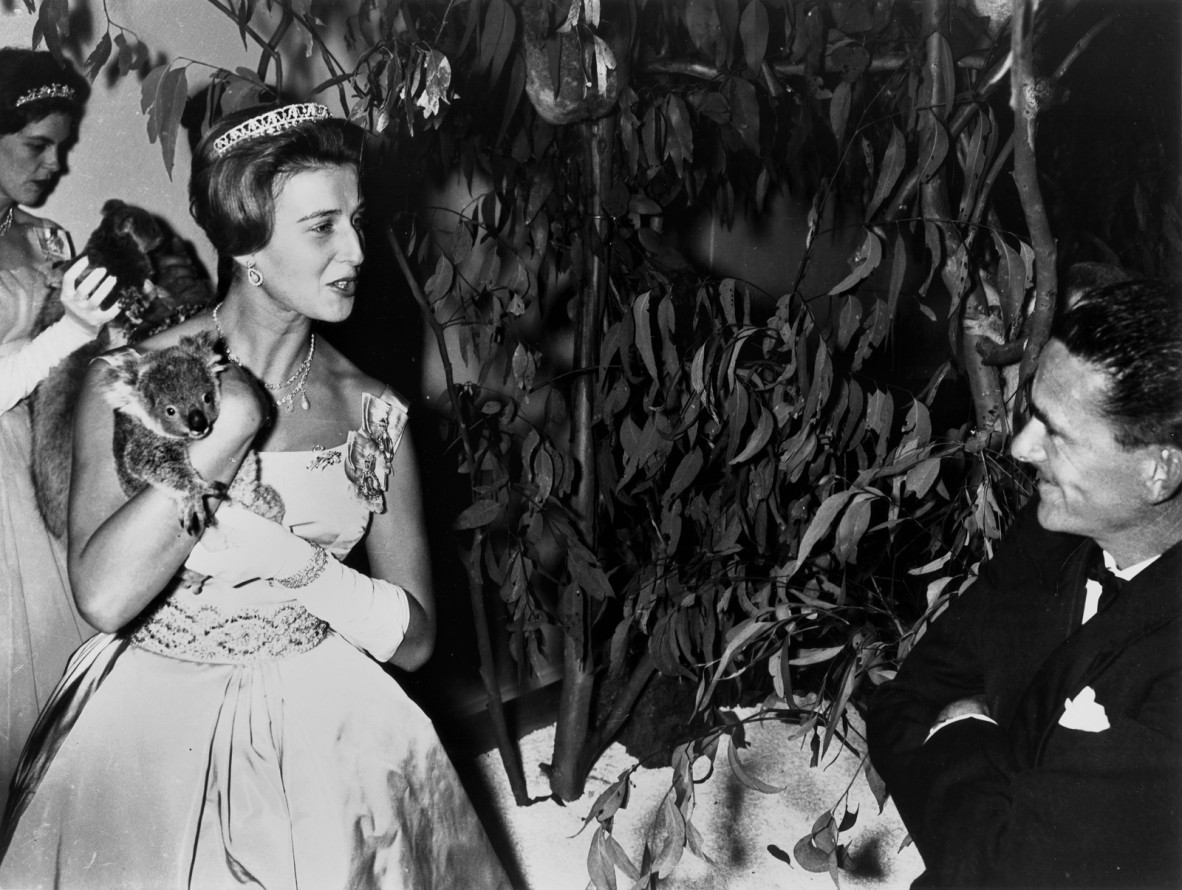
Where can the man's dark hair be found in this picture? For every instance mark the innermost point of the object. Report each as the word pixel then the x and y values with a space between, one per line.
pixel 1133 331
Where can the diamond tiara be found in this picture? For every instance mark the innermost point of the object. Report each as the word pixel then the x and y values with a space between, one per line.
pixel 269 124
pixel 49 91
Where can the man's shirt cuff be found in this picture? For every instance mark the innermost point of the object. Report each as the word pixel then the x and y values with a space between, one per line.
pixel 957 719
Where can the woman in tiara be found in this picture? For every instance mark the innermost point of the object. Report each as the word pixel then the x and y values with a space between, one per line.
pixel 234 724
pixel 41 102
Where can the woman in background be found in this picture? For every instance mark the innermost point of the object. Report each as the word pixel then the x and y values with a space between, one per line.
pixel 41 102
pixel 235 725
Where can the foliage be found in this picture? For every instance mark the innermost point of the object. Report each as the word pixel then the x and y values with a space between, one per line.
pixel 759 488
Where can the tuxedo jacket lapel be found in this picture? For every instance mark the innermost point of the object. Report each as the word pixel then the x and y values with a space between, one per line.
pixel 1146 603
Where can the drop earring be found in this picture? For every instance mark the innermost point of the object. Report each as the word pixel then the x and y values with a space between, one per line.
pixel 254 276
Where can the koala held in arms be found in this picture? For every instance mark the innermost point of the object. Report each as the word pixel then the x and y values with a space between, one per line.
pixel 163 400
pixel 158 286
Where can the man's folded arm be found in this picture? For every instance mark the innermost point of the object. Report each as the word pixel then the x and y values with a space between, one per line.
pixel 1098 811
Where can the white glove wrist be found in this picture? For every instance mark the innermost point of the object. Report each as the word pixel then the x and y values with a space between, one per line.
pixel 312 570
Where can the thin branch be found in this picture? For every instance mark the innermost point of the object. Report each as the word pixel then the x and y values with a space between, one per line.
pixel 1025 96
pixel 1033 332
pixel 496 708
pixel 881 64
pixel 264 43
pixel 1003 158
pixel 1080 46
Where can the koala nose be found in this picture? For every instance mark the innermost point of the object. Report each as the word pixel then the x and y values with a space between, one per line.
pixel 198 425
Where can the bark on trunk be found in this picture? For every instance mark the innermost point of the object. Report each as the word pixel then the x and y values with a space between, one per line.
pixel 569 767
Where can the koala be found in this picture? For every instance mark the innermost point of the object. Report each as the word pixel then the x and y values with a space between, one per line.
pixel 130 243
pixel 163 400
pixel 122 244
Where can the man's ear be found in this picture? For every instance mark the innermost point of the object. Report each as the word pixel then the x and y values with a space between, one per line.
pixel 1166 476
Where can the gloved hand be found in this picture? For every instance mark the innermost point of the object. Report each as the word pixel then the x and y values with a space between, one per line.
pixel 372 614
pixel 83 300
pixel 244 546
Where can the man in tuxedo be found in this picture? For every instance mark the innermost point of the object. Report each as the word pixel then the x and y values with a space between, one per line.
pixel 1033 736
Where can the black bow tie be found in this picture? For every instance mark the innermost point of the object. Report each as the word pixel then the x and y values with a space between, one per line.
pixel 1110 584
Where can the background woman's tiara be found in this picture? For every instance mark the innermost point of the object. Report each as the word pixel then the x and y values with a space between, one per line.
pixel 269 124
pixel 49 91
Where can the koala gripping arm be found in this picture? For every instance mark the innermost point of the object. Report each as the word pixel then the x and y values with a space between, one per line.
pixel 163 401
pixel 144 458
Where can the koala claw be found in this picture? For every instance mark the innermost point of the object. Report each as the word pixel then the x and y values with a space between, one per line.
pixel 193 516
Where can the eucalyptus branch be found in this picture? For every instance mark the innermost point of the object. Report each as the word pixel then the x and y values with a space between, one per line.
pixel 509 755
pixel 621 709
pixel 1080 46
pixel 264 43
pixel 960 119
pixel 1033 332
pixel 1025 96
pixel 878 65
pixel 999 163
pixel 276 38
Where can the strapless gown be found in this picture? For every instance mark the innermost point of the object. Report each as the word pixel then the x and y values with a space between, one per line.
pixel 231 740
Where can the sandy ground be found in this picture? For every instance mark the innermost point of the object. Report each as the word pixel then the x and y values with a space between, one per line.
pixel 738 824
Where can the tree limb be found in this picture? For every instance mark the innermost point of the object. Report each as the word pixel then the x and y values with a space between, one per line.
pixel 510 757
pixel 1025 96
pixel 878 65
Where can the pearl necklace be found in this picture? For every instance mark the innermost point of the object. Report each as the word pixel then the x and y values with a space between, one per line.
pixel 6 223
pixel 296 381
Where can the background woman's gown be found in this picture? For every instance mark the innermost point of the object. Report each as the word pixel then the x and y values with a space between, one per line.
pixel 301 766
pixel 39 625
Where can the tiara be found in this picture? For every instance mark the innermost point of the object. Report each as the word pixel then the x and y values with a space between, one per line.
pixel 269 124
pixel 49 91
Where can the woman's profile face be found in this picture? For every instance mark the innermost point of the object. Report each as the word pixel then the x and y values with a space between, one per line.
pixel 315 252
pixel 33 158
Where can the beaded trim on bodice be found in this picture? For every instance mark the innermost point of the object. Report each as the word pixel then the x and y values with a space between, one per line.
pixel 198 632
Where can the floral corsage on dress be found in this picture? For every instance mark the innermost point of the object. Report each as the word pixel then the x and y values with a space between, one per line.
pixel 369 451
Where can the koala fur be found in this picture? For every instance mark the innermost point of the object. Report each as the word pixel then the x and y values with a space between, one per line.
pixel 163 400
pixel 130 243
pixel 122 245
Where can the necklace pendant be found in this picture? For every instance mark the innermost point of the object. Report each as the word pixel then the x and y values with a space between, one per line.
pixel 304 403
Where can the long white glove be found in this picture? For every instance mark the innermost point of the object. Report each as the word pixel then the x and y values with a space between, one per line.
pixel 21 371
pixel 370 613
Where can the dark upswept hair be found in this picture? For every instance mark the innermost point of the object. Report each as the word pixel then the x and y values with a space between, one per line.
pixel 232 197
pixel 24 70
pixel 1132 330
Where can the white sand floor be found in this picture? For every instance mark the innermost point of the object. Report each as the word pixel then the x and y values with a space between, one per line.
pixel 737 823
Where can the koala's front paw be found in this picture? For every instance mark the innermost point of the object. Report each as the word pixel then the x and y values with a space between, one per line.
pixel 192 514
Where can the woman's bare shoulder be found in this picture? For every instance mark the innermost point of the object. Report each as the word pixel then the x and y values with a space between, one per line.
pixel 350 382
pixel 172 336
pixel 22 217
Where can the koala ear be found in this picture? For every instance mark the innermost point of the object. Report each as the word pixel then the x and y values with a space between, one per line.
pixel 120 377
pixel 204 345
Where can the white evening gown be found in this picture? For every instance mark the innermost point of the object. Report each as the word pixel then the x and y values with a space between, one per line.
pixel 232 740
pixel 39 625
